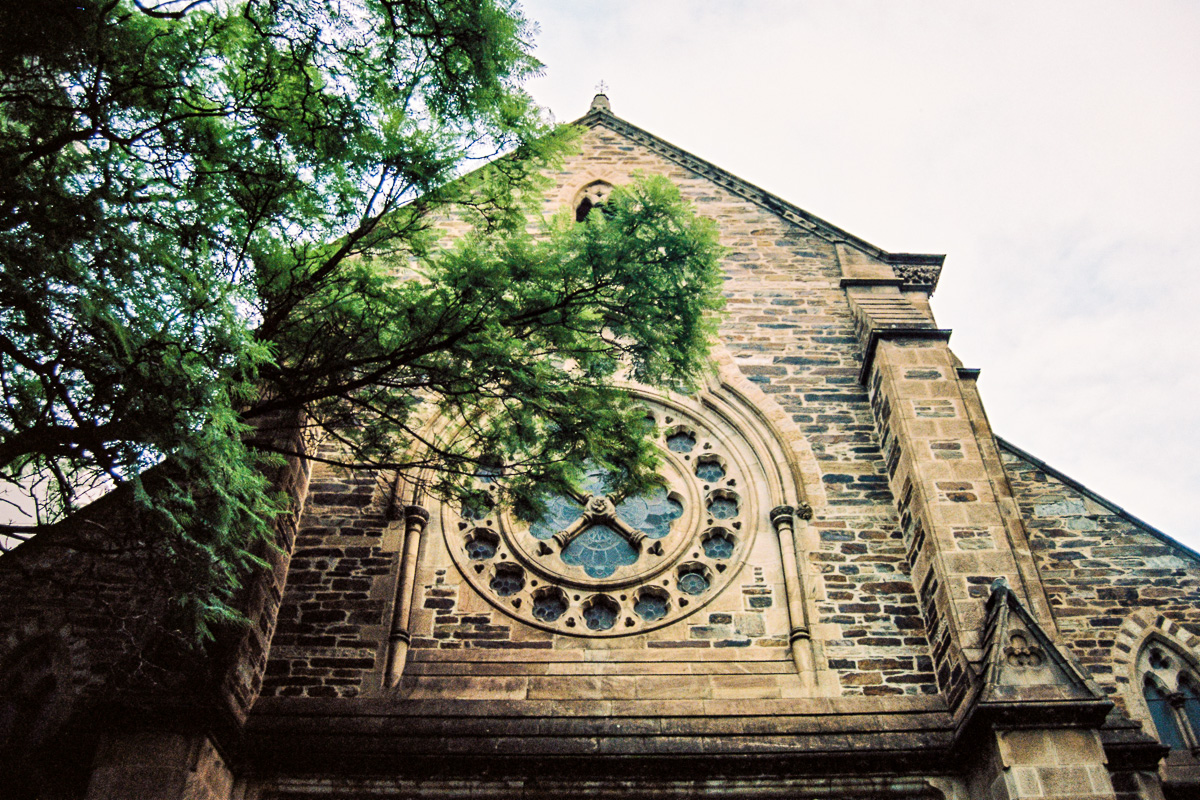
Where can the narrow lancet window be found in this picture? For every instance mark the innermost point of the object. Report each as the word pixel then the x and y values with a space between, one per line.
pixel 1160 711
pixel 590 196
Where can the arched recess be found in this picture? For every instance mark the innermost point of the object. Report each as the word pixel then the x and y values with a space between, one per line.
pixel 1158 666
pixel 775 464
pixel 589 197
pixel 583 184
pixel 43 670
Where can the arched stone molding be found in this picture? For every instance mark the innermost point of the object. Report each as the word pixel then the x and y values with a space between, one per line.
pixel 787 477
pixel 569 193
pixel 44 670
pixel 796 474
pixel 592 195
pixel 761 412
pixel 1141 631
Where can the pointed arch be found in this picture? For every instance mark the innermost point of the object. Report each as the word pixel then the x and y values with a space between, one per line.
pixel 1161 673
pixel 749 434
pixel 1158 703
pixel 42 671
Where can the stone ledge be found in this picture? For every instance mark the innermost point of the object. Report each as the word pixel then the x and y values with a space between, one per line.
pixel 282 707
pixel 673 787
pixel 886 334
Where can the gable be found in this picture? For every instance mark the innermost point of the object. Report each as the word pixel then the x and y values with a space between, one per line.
pixel 1100 565
pixel 912 270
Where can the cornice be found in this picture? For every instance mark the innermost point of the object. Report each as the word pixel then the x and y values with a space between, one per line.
pixel 899 332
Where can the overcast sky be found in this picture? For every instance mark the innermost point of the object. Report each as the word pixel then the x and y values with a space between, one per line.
pixel 1050 149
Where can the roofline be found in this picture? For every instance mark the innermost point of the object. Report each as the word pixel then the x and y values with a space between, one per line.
pixel 1089 494
pixel 771 202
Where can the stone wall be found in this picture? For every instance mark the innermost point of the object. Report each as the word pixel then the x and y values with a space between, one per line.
pixel 333 617
pixel 1100 567
pixel 788 329
pixel 89 636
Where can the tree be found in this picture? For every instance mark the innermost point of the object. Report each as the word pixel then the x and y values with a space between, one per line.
pixel 217 213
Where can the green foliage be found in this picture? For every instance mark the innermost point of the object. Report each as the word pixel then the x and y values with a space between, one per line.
pixel 216 213
pixel 515 340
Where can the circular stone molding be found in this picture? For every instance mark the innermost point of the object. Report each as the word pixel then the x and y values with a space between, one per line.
pixel 601 564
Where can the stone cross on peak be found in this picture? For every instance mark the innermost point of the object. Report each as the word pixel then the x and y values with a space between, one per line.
pixel 600 101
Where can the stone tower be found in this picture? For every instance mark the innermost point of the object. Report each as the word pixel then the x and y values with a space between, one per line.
pixel 850 587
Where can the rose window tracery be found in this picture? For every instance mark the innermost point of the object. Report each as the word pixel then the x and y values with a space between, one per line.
pixel 598 563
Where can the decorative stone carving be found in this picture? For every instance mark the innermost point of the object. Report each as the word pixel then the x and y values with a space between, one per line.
pixel 1022 662
pixel 1021 653
pixel 619 565
pixel 917 275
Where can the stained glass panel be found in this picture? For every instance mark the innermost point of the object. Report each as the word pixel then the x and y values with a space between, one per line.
pixel 599 550
pixel 1191 705
pixel 549 606
pixel 651 606
pixel 681 442
pixel 1164 720
pixel 709 470
pixel 480 549
pixel 477 508
pixel 693 582
pixel 561 511
pixel 650 513
pixel 600 616
pixel 719 545
pixel 723 507
pixel 508 581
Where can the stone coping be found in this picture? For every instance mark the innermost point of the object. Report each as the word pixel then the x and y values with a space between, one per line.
pixel 820 707
pixel 584 655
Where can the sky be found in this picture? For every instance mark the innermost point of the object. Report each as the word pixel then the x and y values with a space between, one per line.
pixel 1050 149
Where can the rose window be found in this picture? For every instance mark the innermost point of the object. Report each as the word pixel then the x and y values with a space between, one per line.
pixel 598 563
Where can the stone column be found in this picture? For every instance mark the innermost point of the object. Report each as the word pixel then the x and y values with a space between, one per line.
pixel 799 636
pixel 1045 763
pixel 415 519
pixel 159 765
pixel 960 522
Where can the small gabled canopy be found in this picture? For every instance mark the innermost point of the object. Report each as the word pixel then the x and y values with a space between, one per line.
pixel 1022 663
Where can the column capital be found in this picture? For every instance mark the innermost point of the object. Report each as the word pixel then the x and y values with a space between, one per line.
pixel 781 517
pixel 415 517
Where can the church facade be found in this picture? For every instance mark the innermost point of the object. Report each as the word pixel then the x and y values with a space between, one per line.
pixel 849 587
